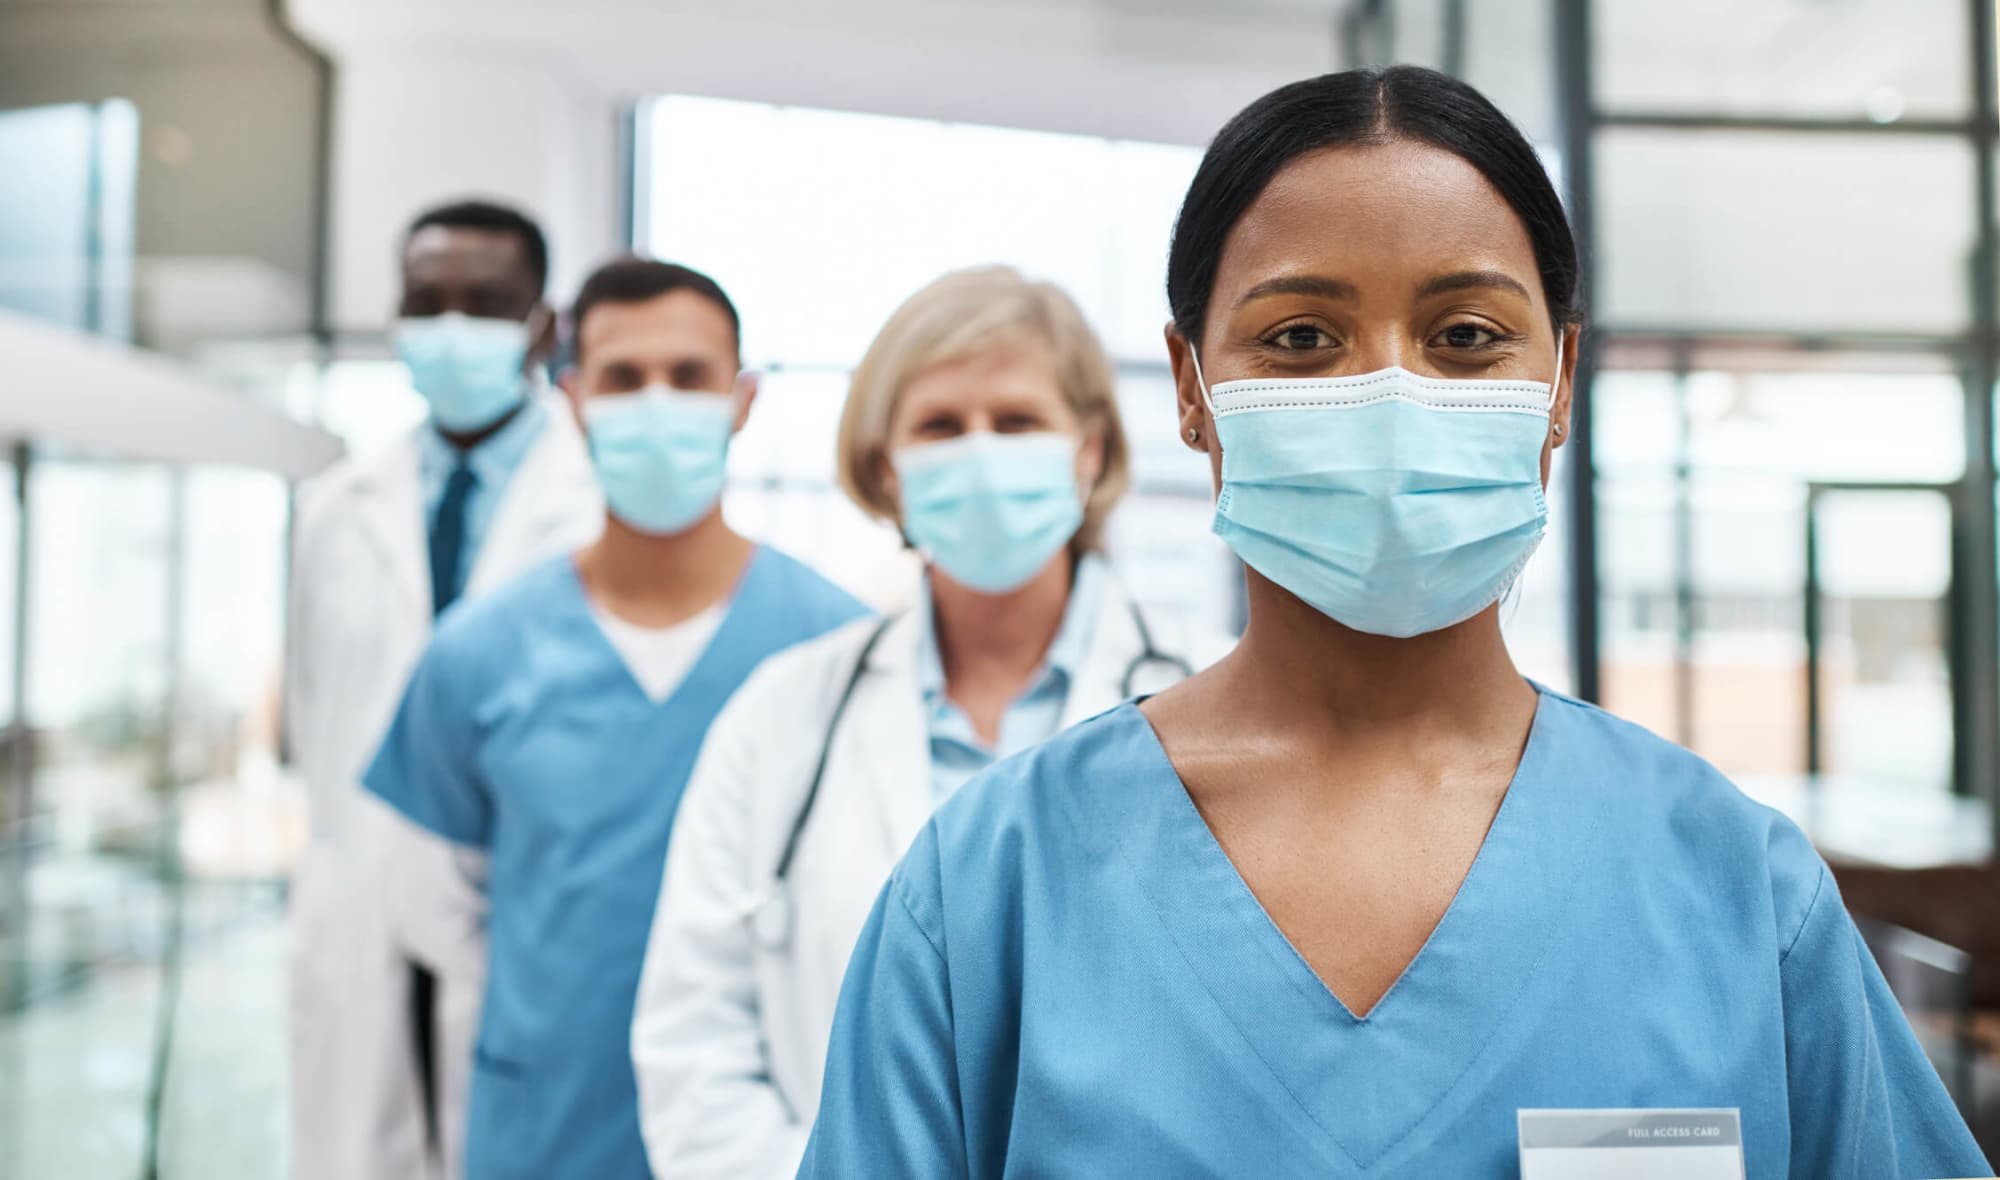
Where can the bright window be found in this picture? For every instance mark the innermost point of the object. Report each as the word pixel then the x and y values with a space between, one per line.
pixel 819 223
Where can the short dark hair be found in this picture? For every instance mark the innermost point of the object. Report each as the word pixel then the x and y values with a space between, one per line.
pixel 1354 108
pixel 486 215
pixel 632 279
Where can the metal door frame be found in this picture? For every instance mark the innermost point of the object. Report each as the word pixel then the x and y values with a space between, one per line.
pixel 1955 612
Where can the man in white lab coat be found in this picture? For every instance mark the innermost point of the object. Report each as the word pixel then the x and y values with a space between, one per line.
pixel 384 1013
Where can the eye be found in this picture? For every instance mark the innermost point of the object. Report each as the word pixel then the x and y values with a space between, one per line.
pixel 621 378
pixel 422 303
pixel 1299 338
pixel 691 375
pixel 488 303
pixel 1016 423
pixel 938 426
pixel 1468 336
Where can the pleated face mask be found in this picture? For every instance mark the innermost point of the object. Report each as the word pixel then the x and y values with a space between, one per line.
pixel 468 368
pixel 990 509
pixel 1392 503
pixel 661 455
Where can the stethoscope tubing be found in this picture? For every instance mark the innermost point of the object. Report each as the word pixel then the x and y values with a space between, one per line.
pixel 763 915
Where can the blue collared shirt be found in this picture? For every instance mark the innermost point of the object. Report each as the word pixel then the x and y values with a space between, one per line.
pixel 957 753
pixel 494 462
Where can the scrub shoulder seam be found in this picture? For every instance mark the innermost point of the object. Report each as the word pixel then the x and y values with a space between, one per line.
pixel 1819 890
pixel 896 889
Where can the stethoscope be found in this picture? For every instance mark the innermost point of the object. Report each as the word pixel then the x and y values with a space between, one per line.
pixel 770 918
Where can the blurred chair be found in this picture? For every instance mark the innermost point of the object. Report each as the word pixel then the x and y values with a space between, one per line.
pixel 1932 981
pixel 1956 907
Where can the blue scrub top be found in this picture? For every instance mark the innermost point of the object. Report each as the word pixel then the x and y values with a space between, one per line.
pixel 522 733
pixel 1066 976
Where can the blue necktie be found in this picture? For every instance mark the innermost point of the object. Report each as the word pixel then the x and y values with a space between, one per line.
pixel 448 535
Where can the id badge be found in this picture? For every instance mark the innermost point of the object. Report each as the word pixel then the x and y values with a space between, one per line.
pixel 1631 1145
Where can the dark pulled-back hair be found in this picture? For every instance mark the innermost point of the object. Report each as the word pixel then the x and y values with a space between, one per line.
pixel 637 280
pixel 1356 108
pixel 486 215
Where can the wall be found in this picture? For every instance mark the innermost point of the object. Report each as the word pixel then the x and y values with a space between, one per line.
pixel 229 122
pixel 412 130
pixel 522 100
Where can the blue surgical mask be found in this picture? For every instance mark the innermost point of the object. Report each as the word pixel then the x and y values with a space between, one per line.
pixel 990 510
pixel 468 369
pixel 660 455
pixel 1392 503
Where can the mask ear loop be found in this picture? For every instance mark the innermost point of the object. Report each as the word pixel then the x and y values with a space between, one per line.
pixel 1555 382
pixel 1201 382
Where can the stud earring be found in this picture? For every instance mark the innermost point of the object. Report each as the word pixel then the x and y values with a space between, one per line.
pixel 1559 430
pixel 1194 436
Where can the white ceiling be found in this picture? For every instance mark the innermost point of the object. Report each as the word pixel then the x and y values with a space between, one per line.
pixel 127 403
pixel 1171 70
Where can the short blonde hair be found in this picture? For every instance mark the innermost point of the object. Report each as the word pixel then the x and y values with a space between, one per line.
pixel 962 314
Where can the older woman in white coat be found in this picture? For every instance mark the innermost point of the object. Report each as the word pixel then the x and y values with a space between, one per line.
pixel 982 422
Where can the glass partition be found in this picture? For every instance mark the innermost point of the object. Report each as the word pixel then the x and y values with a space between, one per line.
pixel 1736 230
pixel 1881 60
pixel 66 220
pixel 1706 490
pixel 148 827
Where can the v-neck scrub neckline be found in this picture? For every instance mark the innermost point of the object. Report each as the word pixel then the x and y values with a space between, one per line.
pixel 658 658
pixel 1468 974
pixel 1066 975
pixel 523 734
pixel 1203 852
pixel 585 615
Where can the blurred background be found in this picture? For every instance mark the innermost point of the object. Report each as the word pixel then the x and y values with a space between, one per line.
pixel 1775 535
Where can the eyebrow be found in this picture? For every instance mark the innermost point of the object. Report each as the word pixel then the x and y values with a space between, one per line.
pixel 1470 280
pixel 1318 285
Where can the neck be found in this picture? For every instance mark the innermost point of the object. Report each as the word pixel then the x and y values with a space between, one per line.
pixel 657 581
pixel 1294 661
pixel 466 440
pixel 987 640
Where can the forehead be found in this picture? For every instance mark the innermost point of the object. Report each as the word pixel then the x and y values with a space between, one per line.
pixel 679 322
pixel 438 253
pixel 1380 215
pixel 1021 367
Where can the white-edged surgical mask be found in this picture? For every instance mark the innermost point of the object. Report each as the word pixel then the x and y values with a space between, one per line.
pixel 1393 503
pixel 990 509
pixel 660 454
pixel 468 368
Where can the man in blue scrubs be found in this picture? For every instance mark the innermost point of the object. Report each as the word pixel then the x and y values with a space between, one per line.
pixel 552 724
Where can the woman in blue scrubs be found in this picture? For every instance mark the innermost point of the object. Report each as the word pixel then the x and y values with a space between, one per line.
pixel 1350 901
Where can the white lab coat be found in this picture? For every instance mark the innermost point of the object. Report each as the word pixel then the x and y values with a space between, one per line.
pixel 729 1034
pixel 360 617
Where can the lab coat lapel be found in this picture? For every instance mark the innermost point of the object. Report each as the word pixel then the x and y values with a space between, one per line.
pixel 889 739
pixel 549 494
pixel 1114 643
pixel 389 505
